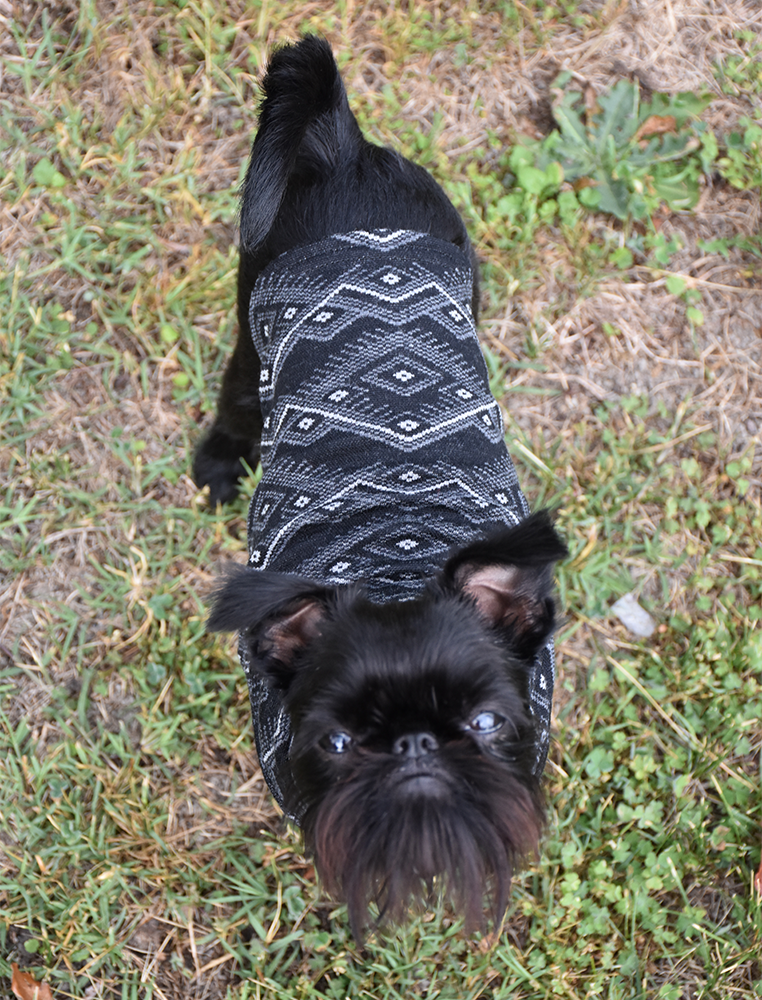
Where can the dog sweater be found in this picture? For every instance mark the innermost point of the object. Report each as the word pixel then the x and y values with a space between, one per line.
pixel 382 447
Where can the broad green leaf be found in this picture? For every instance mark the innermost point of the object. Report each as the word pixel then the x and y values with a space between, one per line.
pixel 675 284
pixel 681 106
pixel 621 258
pixel 568 207
pixel 674 147
pixel 619 120
pixel 569 121
pixel 539 182
pixel 509 206
pixel 614 196
pixel 677 193
pixel 521 156
pixel 45 173
pixel 590 197
pixel 531 179
pixel 694 315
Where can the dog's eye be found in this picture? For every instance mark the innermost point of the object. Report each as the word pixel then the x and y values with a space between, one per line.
pixel 336 742
pixel 486 722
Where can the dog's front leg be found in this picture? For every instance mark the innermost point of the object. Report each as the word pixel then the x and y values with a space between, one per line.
pixel 237 429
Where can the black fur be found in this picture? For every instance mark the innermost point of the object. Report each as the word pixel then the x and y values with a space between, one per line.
pixel 311 174
pixel 413 753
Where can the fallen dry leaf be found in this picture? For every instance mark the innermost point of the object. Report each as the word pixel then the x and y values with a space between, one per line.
pixel 26 987
pixel 656 125
pixel 584 182
pixel 758 881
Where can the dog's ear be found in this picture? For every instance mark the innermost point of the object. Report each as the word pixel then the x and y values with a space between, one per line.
pixel 509 577
pixel 279 615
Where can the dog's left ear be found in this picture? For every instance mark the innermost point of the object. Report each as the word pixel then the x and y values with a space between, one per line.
pixel 278 615
pixel 509 578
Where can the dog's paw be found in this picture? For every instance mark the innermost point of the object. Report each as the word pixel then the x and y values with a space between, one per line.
pixel 217 464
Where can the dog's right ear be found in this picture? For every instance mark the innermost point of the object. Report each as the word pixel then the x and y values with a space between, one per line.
pixel 278 615
pixel 508 577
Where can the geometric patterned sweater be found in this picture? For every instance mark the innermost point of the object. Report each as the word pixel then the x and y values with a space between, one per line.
pixel 382 446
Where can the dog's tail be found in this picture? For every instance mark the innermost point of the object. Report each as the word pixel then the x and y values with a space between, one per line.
pixel 304 117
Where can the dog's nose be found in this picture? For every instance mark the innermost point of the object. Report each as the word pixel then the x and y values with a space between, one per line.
pixel 415 745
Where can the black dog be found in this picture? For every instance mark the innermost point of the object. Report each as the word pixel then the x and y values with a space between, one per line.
pixel 395 615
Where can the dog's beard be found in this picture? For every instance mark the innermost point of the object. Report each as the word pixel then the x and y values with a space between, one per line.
pixel 389 838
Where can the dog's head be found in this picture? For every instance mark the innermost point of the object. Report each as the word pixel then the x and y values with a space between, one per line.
pixel 413 752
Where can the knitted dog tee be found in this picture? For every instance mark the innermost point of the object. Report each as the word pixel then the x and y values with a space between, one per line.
pixel 382 447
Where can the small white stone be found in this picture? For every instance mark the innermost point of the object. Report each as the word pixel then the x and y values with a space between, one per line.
pixel 634 618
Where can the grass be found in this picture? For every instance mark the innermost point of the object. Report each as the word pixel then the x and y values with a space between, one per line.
pixel 141 854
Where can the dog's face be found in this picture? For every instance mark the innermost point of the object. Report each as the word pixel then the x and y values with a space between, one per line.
pixel 413 750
